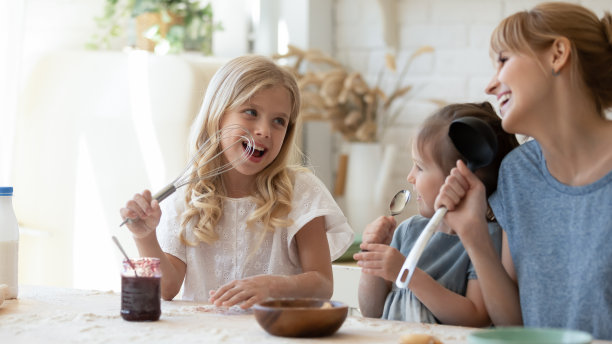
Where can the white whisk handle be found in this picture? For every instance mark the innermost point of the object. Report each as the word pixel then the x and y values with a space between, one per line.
pixel 165 192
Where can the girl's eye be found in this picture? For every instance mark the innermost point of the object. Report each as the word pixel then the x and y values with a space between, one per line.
pixel 501 60
pixel 280 121
pixel 250 112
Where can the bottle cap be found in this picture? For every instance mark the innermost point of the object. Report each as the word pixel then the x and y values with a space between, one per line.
pixel 6 191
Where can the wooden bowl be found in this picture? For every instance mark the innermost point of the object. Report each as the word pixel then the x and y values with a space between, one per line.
pixel 300 317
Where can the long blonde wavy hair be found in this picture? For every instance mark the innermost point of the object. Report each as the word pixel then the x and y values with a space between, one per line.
pixel 231 86
pixel 591 43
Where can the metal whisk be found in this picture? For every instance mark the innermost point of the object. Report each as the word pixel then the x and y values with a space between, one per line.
pixel 237 134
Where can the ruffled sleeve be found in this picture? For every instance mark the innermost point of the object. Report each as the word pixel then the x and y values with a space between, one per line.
pixel 169 228
pixel 311 199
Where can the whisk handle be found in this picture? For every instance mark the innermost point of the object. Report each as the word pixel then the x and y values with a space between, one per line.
pixel 160 196
pixel 165 192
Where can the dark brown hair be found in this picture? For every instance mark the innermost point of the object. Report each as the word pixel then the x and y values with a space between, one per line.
pixel 434 135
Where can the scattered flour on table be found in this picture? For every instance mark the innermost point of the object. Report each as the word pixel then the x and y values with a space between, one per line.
pixel 22 323
pixel 450 334
pixel 100 292
pixel 234 310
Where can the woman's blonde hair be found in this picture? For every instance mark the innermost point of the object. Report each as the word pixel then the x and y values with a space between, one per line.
pixel 231 86
pixel 591 43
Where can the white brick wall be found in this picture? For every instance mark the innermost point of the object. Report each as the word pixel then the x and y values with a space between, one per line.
pixel 457 71
pixel 458 29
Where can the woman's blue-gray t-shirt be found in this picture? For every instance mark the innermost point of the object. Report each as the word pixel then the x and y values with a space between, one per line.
pixel 559 237
pixel 444 259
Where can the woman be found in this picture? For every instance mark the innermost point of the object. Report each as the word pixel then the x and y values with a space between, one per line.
pixel 554 196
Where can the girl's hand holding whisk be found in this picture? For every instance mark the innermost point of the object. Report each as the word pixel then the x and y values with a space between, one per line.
pixel 143 214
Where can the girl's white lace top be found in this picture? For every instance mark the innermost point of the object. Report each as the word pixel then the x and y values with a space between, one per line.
pixel 210 266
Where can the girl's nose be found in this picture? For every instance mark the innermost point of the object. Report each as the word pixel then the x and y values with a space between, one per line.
pixel 410 178
pixel 262 130
pixel 492 86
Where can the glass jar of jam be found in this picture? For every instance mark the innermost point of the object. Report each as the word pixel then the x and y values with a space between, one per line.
pixel 141 289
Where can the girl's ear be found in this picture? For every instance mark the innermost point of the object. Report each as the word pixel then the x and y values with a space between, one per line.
pixel 560 53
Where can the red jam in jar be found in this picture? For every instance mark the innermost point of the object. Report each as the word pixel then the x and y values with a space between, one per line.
pixel 141 290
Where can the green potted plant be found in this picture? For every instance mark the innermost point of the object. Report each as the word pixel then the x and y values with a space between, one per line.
pixel 163 26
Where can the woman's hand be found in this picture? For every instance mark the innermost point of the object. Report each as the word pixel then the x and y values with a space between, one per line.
pixel 380 231
pixel 246 292
pixel 463 194
pixel 144 214
pixel 380 260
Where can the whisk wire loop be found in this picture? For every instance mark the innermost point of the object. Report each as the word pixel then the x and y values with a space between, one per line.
pixel 236 133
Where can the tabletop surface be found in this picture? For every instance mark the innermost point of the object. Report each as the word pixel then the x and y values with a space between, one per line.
pixel 57 315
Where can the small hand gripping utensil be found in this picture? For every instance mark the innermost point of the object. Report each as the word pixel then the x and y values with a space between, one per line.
pixel 234 133
pixel 398 203
pixel 476 141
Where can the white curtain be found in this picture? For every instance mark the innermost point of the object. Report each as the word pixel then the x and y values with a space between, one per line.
pixel 11 38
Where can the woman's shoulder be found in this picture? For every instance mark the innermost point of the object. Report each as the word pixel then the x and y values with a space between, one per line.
pixel 529 150
pixel 525 160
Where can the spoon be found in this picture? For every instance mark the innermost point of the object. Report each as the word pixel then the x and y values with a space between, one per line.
pixel 125 254
pixel 476 141
pixel 399 201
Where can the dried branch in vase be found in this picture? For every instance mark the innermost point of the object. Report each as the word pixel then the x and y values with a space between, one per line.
pixel 333 93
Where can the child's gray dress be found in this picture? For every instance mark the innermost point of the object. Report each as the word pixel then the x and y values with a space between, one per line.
pixel 444 259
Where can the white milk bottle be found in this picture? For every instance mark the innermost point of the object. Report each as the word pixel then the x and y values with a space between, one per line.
pixel 9 242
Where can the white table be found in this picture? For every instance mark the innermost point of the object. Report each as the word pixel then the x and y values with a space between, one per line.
pixel 56 315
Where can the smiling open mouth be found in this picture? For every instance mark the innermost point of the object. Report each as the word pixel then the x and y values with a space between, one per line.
pixel 255 151
pixel 504 99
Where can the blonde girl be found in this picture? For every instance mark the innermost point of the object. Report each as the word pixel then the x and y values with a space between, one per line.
pixel 444 288
pixel 264 229
pixel 553 82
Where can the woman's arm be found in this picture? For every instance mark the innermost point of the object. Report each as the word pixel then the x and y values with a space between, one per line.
pixel 463 194
pixel 498 281
pixel 316 280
